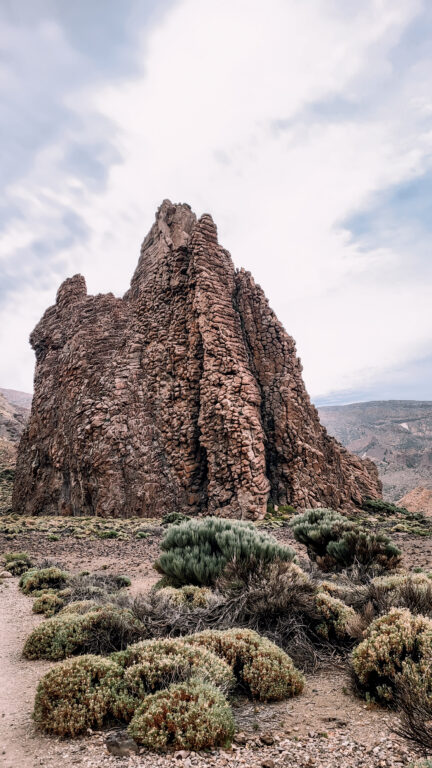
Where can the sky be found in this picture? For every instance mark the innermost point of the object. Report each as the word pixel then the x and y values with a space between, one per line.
pixel 303 126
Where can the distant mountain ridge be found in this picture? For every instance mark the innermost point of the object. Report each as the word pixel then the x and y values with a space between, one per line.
pixel 395 434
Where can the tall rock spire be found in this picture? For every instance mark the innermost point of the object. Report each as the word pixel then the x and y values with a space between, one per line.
pixel 186 394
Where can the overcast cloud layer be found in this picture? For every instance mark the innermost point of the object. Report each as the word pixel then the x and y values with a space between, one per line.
pixel 304 128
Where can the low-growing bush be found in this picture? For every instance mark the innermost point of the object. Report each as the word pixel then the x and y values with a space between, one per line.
pixel 414 702
pixel 337 617
pixel 379 506
pixel 397 645
pixel 336 543
pixel 17 563
pixel 36 580
pixel 80 607
pixel 267 672
pixel 155 664
pixel 48 604
pixel 174 518
pixel 197 551
pixel 102 631
pixel 192 715
pixel 402 590
pixel 189 595
pixel 77 695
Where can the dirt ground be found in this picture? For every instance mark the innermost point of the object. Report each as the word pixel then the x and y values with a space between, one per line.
pixel 325 727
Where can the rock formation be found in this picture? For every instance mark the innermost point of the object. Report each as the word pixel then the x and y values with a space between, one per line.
pixel 185 394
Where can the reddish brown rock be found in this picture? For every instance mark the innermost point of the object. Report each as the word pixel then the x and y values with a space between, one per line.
pixel 186 394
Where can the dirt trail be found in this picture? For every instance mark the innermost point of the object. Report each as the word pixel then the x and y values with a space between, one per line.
pixel 19 678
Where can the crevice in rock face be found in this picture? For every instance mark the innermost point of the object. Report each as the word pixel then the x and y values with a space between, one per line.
pixel 186 394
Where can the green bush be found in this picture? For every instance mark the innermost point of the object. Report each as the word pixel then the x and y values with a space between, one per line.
pixel 267 672
pixel 396 645
pixel 379 506
pixel 48 604
pixel 36 580
pixel 197 551
pixel 17 563
pixel 76 695
pixel 174 518
pixel 102 631
pixel 335 542
pixel 155 664
pixel 191 715
pixel 109 534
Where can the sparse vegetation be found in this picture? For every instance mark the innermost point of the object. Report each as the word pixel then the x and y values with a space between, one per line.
pixel 36 580
pixel 17 563
pixel 197 551
pixel 192 715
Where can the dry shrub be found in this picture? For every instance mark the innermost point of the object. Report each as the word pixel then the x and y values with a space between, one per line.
pixel 402 590
pixel 80 607
pixel 48 604
pixel 190 596
pixel 414 701
pixel 396 644
pixel 103 631
pixel 265 670
pixel 155 664
pixel 337 617
pixel 17 563
pixel 192 715
pixel 76 695
pixel 40 579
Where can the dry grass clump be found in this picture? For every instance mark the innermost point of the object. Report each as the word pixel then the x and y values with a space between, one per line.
pixel 48 604
pixel 265 670
pixel 192 715
pixel 155 664
pixel 103 631
pixel 40 579
pixel 76 695
pixel 397 645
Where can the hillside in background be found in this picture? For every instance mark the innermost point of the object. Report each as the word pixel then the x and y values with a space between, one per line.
pixel 14 412
pixel 395 434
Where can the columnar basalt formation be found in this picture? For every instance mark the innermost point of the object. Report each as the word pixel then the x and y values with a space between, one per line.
pixel 185 394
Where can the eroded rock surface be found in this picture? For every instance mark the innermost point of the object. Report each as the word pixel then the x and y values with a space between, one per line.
pixel 184 394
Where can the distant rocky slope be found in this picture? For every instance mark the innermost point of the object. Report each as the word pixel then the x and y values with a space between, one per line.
pixel 395 434
pixel 13 418
pixel 184 394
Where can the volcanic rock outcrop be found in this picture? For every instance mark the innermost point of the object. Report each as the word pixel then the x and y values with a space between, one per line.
pixel 185 394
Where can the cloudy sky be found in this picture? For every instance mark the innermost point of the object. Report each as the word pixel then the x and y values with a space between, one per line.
pixel 303 126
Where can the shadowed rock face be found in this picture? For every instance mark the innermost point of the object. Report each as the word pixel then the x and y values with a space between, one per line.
pixel 184 394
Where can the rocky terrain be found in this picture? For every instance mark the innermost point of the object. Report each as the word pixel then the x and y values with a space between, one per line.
pixel 184 394
pixel 395 434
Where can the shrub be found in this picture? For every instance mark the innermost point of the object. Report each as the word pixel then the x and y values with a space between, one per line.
pixel 192 715
pixel 266 670
pixel 382 507
pixel 336 617
pixel 190 596
pixel 17 563
pixel 80 607
pixel 109 534
pixel 76 695
pixel 155 664
pixel 396 644
pixel 402 590
pixel 335 542
pixel 35 579
pixel 48 604
pixel 174 518
pixel 197 551
pixel 103 631
pixel 414 700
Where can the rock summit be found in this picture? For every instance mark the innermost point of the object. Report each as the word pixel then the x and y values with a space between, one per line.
pixel 185 394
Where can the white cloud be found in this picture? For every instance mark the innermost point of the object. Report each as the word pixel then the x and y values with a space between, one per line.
pixel 220 116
